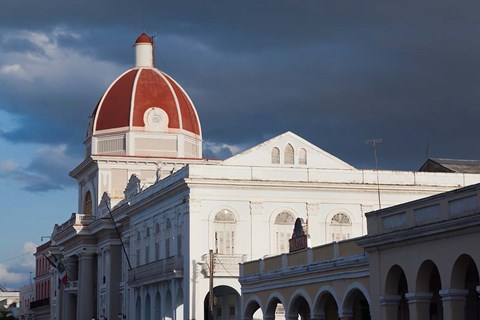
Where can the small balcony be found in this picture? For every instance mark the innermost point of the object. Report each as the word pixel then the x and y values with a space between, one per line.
pixel 162 269
pixel 76 219
pixel 224 265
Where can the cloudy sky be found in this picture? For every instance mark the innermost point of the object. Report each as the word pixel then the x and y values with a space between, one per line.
pixel 334 72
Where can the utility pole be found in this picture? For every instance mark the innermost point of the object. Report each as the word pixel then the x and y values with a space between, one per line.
pixel 210 294
pixel 374 143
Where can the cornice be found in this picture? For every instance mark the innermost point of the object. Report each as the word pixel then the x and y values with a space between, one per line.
pixel 352 267
pixel 438 230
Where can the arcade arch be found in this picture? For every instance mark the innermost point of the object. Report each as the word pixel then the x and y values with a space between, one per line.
pixel 326 306
pixel 299 308
pixel 395 301
pixel 356 305
pixel 226 304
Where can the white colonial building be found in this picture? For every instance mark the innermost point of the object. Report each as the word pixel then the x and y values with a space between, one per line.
pixel 186 222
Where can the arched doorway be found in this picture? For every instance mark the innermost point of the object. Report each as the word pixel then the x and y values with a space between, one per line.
pixel 224 228
pixel 326 307
pixel 87 205
pixel 226 304
pixel 396 286
pixel 299 308
pixel 356 305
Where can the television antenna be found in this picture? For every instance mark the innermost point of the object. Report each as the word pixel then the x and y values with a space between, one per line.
pixel 374 143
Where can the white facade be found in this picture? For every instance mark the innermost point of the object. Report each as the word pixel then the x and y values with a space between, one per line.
pixel 241 208
pixel 174 215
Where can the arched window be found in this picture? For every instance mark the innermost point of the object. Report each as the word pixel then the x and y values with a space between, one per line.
pixel 289 154
pixel 87 205
pixel 168 230
pixel 147 307
pixel 340 227
pixel 147 245
pixel 224 227
pixel 283 228
pixel 179 234
pixel 158 308
pixel 302 156
pixel 275 155
pixel 138 247
pixel 157 241
pixel 138 309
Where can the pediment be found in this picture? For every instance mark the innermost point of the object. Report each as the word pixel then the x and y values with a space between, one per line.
pixel 288 145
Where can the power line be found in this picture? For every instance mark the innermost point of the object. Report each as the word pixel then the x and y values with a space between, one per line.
pixel 16 257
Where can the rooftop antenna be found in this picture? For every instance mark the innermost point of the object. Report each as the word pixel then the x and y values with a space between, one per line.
pixel 153 48
pixel 143 17
pixel 374 143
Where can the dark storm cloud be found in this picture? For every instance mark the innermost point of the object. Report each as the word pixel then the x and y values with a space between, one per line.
pixel 46 171
pixel 335 72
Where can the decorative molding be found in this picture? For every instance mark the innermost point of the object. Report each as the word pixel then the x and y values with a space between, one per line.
pixel 133 187
pixel 104 202
pixel 341 219
pixel 155 119
pixel 418 297
pixel 256 207
pixel 313 209
pixel 453 294
pixel 392 300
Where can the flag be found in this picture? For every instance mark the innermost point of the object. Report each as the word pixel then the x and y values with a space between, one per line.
pixel 50 261
pixel 62 272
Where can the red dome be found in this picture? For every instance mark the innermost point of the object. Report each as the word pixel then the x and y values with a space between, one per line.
pixel 144 38
pixel 124 104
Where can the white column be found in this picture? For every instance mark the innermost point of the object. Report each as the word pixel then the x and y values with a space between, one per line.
pixel 85 304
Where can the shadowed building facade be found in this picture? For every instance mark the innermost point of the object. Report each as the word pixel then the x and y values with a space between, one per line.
pixel 418 261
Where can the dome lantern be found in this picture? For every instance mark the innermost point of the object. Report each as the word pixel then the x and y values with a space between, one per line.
pixel 144 51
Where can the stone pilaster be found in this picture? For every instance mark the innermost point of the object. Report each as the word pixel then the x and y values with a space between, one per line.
pixel 86 280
